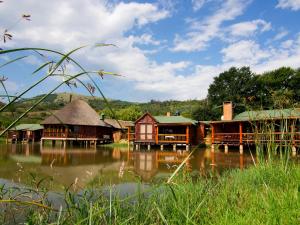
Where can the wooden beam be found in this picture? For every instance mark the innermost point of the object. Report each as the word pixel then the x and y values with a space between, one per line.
pixel 187 134
pixel 241 133
pixel 212 134
pixel 128 134
pixel 156 135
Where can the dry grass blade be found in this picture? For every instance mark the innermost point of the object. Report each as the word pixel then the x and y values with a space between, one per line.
pixel 180 166
pixel 27 203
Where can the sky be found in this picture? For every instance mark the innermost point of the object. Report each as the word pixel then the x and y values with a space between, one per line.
pixel 164 49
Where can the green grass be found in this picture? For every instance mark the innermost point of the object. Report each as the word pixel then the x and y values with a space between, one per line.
pixel 266 194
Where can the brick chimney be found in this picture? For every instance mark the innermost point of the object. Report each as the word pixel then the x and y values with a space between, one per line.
pixel 227 111
pixel 168 113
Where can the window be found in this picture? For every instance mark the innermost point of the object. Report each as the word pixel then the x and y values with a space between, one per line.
pixel 146 132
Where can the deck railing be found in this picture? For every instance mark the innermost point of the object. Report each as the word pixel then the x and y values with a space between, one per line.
pixel 276 137
pixel 67 135
pixel 172 138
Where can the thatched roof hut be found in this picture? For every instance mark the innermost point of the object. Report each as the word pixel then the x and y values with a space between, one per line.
pixel 78 112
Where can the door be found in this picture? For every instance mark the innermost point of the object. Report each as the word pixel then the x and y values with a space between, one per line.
pixel 146 132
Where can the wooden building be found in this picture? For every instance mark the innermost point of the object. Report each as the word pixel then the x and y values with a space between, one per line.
pixel 78 122
pixel 25 133
pixel 281 127
pixel 120 128
pixel 165 130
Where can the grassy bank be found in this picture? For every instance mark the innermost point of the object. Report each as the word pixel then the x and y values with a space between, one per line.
pixel 266 194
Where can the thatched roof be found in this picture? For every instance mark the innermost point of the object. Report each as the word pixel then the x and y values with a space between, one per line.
pixel 78 112
pixel 114 123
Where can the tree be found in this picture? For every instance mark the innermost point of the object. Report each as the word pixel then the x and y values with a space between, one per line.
pixel 283 81
pixel 130 113
pixel 237 85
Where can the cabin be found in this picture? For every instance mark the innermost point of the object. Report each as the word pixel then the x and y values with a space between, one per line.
pixel 165 130
pixel 25 133
pixel 120 128
pixel 250 128
pixel 77 122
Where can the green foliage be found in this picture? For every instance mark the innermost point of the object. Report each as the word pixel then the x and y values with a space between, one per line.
pixel 130 113
pixel 279 88
pixel 266 194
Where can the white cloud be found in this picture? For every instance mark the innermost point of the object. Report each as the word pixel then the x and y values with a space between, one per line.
pixel 69 24
pixel 281 35
pixel 250 53
pixel 248 28
pixel 198 4
pixel 289 4
pixel 245 52
pixel 145 39
pixel 203 32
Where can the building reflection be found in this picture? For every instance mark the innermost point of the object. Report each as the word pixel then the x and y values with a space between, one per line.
pixel 149 164
pixel 79 156
pixel 144 164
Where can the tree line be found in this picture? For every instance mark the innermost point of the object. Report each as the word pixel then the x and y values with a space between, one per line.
pixel 274 89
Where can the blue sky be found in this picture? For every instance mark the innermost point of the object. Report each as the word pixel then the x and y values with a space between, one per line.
pixel 165 49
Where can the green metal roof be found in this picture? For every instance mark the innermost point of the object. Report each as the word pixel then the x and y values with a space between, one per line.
pixel 174 120
pixel 28 127
pixel 268 114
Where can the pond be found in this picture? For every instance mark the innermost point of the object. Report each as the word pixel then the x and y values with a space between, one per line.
pixel 28 164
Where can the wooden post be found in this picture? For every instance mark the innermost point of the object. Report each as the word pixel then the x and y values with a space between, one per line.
pixel 241 162
pixel 212 138
pixel 149 147
pixel 241 133
pixel 187 134
pixel 226 149
pixel 294 151
pixel 174 147
pixel 241 138
pixel 187 147
pixel 156 134
pixel 161 147
pixel 241 149
pixel 128 135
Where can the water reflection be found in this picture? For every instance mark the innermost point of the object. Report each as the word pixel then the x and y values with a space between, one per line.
pixel 83 165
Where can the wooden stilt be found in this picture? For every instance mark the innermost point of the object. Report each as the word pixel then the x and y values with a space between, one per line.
pixel 241 149
pixel 149 147
pixel 161 147
pixel 294 151
pixel 187 147
pixel 226 149
pixel 212 149
pixel 174 147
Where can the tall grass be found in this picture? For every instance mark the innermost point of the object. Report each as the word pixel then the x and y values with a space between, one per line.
pixel 266 194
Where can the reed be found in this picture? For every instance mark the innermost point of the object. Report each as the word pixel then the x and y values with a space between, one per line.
pixel 265 194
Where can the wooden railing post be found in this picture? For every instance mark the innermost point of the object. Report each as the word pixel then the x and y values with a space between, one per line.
pixel 187 134
pixel 156 135
pixel 212 134
pixel 241 133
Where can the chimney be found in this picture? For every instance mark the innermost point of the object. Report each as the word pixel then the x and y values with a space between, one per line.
pixel 227 111
pixel 168 114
